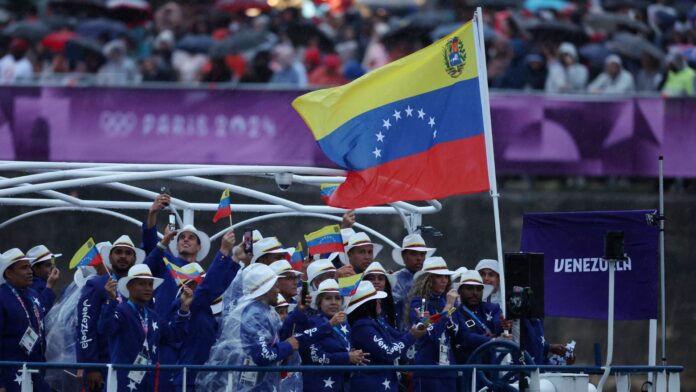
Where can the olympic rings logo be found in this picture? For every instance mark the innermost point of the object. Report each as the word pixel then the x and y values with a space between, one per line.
pixel 117 123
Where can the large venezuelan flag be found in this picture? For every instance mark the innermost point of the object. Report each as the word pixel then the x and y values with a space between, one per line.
pixel 411 130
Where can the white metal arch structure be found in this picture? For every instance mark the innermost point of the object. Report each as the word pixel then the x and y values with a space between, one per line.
pixel 51 180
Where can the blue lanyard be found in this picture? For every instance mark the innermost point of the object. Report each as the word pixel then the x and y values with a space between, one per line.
pixel 143 317
pixel 476 319
pixel 343 336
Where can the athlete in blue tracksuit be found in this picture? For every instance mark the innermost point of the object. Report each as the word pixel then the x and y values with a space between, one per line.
pixel 436 347
pixel 136 332
pixel 331 349
pixel 92 346
pixel 383 343
pixel 21 308
pixel 204 326
pixel 166 293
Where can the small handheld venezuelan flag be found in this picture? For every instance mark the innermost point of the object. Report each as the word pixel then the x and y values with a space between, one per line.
pixel 327 190
pixel 325 240
pixel 182 274
pixel 86 255
pixel 349 285
pixel 225 206
pixel 297 258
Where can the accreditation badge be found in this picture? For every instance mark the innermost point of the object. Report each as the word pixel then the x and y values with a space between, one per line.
pixel 138 375
pixel 28 340
pixel 248 378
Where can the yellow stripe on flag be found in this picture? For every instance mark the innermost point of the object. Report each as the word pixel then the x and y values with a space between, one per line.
pixel 426 70
pixel 324 231
pixel 81 253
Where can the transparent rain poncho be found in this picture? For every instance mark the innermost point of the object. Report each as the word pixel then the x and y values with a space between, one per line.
pixel 249 337
pixel 60 324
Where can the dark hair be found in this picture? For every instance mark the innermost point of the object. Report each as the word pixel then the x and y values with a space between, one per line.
pixel 388 307
pixel 366 310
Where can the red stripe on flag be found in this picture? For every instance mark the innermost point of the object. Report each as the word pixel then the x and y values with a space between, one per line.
pixel 464 160
pixel 222 213
pixel 325 248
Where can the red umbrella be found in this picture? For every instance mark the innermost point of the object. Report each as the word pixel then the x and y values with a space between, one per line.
pixel 55 41
pixel 241 5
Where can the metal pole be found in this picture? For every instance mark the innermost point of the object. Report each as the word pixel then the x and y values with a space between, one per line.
pixel 490 157
pixel 662 260
pixel 610 328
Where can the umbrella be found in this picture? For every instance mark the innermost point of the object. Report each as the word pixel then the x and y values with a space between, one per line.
pixel 555 30
pixel 418 36
pixel 241 42
pixel 196 43
pixel 241 5
pixel 129 11
pixel 78 8
pixel 32 31
pixel 538 5
pixel 633 46
pixel 301 33
pixel 78 48
pixel 55 41
pixel 493 4
pixel 613 5
pixel 610 22
pixel 98 28
pixel 595 54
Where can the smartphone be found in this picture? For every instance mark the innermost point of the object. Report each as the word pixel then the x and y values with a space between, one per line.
pixel 172 222
pixel 165 191
pixel 249 241
pixel 304 292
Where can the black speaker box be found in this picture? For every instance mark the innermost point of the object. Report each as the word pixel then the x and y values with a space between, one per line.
pixel 524 285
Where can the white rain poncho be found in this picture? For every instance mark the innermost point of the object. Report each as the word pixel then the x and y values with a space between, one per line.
pixel 61 322
pixel 251 338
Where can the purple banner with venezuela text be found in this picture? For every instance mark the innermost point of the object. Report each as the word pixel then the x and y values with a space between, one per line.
pixel 576 279
pixel 533 134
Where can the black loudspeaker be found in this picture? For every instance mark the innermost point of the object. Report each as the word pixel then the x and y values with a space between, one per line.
pixel 614 245
pixel 524 285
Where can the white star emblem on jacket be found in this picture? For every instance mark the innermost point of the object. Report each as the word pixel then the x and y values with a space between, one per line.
pixel 387 384
pixel 328 383
pixel 154 326
pixel 489 316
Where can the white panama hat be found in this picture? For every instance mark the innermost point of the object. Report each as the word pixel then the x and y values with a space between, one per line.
pixel 268 245
pixel 362 239
pixel 473 278
pixel 258 279
pixel 40 253
pixel 488 263
pixel 319 267
pixel 281 302
pixel 434 265
pixel 202 237
pixel 412 242
pixel 376 268
pixel 138 271
pixel 366 292
pixel 281 267
pixel 123 241
pixel 8 258
pixel 327 286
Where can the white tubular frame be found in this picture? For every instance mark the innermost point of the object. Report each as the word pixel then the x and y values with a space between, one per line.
pixel 50 179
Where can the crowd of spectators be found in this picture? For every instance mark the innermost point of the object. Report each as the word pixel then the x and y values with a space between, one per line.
pixel 557 46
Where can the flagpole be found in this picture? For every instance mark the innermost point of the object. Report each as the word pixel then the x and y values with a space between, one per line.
pixel 490 158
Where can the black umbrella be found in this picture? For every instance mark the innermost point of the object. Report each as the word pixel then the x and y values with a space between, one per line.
pixel 613 5
pixel 78 8
pixel 301 33
pixel 78 48
pixel 98 28
pixel 493 4
pixel 33 31
pixel 413 34
pixel 555 30
pixel 633 46
pixel 196 43
pixel 610 22
pixel 242 41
